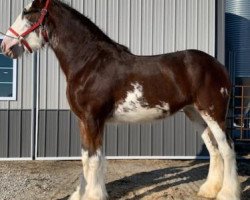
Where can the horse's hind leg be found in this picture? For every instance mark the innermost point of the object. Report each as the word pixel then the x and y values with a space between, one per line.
pixel 213 184
pixel 92 185
pixel 212 102
pixel 230 188
pixel 214 181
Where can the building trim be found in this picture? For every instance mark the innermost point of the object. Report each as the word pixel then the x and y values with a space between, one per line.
pixel 132 158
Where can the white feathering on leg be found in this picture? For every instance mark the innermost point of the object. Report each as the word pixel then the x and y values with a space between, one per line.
pixel 214 180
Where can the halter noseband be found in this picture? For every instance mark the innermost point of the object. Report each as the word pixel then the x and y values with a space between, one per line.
pixel 32 28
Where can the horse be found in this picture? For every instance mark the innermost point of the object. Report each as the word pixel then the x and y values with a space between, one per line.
pixel 106 82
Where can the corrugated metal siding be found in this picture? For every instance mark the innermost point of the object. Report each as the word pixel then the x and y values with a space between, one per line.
pixel 15 133
pixel 175 136
pixel 147 27
pixel 15 116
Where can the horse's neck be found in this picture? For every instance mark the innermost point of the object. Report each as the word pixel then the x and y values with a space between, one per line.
pixel 73 46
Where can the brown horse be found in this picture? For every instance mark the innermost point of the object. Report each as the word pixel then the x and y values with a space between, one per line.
pixel 105 81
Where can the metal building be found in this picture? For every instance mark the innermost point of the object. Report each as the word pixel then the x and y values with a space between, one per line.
pixel 38 123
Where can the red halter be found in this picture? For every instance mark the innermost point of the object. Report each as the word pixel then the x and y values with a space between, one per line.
pixel 32 28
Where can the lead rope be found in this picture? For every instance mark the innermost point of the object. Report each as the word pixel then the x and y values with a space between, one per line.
pixel 8 36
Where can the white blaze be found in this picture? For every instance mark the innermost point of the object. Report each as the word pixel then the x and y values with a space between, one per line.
pixel 20 26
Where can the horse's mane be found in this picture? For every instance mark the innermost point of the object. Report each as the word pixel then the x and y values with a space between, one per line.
pixel 91 26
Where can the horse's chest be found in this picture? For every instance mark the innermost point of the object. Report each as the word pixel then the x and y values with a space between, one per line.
pixel 134 107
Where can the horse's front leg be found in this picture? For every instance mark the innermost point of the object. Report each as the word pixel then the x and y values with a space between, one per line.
pixel 92 185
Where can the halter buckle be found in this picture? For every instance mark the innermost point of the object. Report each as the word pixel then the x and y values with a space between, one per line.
pixel 44 11
pixel 20 38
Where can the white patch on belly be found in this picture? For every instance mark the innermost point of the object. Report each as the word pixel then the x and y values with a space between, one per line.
pixel 134 108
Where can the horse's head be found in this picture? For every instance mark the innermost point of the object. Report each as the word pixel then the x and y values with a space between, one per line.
pixel 28 32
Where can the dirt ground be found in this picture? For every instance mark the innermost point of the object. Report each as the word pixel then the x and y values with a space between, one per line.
pixel 125 179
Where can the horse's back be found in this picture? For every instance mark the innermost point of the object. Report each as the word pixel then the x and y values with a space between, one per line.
pixel 156 86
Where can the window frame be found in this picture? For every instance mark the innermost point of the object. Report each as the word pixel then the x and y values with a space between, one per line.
pixel 14 82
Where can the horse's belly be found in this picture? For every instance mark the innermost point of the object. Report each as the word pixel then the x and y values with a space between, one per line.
pixel 137 114
pixel 135 107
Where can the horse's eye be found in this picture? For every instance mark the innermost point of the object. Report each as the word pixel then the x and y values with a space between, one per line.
pixel 25 12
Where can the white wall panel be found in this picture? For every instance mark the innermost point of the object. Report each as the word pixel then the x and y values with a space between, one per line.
pixel 203 19
pixel 169 25
pixel 192 25
pixel 135 26
pixel 124 22
pixel 113 19
pixel 181 25
pixel 101 14
pixel 146 26
pixel 158 26
pixel 9 11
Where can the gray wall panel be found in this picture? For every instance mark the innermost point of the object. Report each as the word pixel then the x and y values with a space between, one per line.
pixel 26 133
pixel 64 133
pixel 169 136
pixel 190 138
pixel 134 139
pixel 75 142
pixel 4 116
pixel 123 139
pixel 51 133
pixel 179 128
pixel 14 133
pixel 41 137
pixel 157 138
pixel 111 139
pixel 146 142
pixel 173 136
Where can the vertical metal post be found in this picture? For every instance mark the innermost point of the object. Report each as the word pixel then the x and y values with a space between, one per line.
pixel 33 111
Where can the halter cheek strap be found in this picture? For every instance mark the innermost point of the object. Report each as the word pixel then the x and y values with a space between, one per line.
pixel 32 28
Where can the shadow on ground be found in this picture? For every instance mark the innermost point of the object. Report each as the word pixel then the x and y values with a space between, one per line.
pixel 162 179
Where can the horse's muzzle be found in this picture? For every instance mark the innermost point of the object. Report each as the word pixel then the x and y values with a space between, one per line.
pixel 12 49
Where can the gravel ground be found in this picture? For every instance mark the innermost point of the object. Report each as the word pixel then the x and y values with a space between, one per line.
pixel 126 179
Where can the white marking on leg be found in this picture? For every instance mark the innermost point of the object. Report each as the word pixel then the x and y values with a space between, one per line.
pixel 231 187
pixel 214 180
pixel 92 182
pixel 80 190
pixel 95 188
pixel 134 108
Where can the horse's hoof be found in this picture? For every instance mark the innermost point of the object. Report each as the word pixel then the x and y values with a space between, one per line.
pixel 228 195
pixel 209 190
pixel 76 195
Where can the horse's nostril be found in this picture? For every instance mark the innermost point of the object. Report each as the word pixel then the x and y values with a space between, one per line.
pixel 12 47
pixel 3 46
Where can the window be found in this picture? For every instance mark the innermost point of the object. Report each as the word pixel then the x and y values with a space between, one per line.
pixel 8 76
